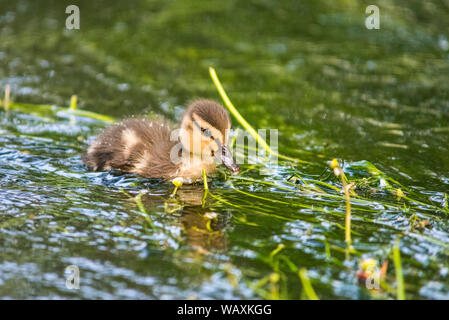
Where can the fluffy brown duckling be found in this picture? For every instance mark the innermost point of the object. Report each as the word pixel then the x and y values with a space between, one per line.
pixel 152 149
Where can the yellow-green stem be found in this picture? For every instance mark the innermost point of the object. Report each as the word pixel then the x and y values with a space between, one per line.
pixel 7 92
pixel 73 100
pixel 174 191
pixel 348 214
pixel 339 172
pixel 206 187
pixel 400 292
pixel 307 286
pixel 242 120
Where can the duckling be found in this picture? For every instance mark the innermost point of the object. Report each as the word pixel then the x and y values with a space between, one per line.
pixel 152 149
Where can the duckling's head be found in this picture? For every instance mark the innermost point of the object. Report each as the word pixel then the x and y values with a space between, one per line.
pixel 205 132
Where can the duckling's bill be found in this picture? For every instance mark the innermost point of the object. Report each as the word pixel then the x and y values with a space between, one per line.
pixel 225 156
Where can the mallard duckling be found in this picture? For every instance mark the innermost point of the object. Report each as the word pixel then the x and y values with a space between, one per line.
pixel 152 149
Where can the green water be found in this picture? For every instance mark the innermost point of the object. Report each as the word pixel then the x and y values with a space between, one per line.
pixel 308 68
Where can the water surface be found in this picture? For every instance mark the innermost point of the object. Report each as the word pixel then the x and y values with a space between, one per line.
pixel 310 69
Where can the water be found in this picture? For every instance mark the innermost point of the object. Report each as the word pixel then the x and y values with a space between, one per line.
pixel 312 70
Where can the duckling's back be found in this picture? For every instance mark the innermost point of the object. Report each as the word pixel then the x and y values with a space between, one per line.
pixel 135 145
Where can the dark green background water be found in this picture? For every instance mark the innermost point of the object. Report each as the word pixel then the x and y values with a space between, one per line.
pixel 308 68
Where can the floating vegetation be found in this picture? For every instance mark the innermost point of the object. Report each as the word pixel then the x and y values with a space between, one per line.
pixel 47 111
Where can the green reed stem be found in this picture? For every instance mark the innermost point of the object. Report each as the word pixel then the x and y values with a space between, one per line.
pixel 308 289
pixel 339 173
pixel 276 251
pixel 174 191
pixel 206 187
pixel 7 93
pixel 242 120
pixel 73 100
pixel 400 292
pixel 140 205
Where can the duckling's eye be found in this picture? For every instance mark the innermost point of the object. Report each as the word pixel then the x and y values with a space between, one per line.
pixel 206 132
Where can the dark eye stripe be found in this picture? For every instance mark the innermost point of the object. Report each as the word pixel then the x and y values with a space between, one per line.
pixel 205 131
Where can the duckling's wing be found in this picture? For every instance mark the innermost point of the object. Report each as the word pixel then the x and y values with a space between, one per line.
pixel 135 145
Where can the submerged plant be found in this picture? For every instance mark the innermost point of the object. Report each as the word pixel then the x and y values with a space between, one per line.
pixel 338 171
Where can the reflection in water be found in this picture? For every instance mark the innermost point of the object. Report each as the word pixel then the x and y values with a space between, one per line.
pixel 201 227
pixel 204 228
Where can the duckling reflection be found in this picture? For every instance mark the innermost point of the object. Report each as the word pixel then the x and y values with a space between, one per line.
pixel 201 227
